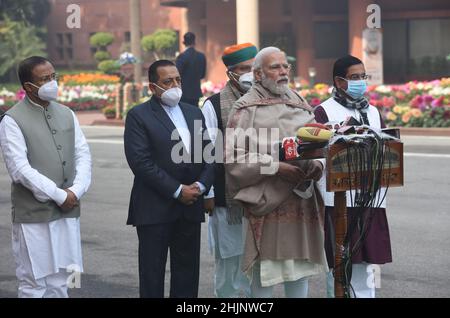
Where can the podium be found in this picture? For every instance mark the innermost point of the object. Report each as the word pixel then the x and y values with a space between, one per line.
pixel 343 173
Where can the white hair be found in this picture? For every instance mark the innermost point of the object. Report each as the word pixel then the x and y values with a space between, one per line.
pixel 257 64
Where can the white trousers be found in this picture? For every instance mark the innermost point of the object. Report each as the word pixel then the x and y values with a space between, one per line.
pixel 294 289
pixel 229 280
pixel 50 286
pixel 362 281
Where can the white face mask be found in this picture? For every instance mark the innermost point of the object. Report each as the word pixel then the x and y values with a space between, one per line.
pixel 48 91
pixel 171 97
pixel 246 81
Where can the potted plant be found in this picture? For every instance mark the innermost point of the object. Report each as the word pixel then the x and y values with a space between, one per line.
pixel 109 112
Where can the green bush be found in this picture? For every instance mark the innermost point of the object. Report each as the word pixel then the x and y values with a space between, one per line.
pixel 101 39
pixel 102 56
pixel 109 66
pixel 161 42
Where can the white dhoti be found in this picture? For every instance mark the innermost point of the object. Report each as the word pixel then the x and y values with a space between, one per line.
pixel 45 256
pixel 227 243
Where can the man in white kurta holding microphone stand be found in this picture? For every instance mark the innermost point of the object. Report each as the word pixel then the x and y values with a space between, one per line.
pixel 49 162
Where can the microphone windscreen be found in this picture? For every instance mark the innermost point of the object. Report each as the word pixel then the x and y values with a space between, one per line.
pixel 314 134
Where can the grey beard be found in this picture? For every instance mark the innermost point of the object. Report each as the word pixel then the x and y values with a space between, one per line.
pixel 273 87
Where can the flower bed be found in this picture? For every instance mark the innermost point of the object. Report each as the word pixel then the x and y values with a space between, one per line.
pixel 87 97
pixel 413 104
pixel 78 97
pixel 89 79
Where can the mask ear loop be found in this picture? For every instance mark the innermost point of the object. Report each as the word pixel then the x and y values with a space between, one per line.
pixel 33 85
pixel 233 75
pixel 164 90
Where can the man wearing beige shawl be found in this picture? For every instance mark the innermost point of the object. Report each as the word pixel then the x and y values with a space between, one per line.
pixel 284 240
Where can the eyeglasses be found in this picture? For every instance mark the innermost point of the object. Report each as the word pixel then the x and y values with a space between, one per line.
pixel 278 67
pixel 355 77
pixel 168 82
pixel 48 78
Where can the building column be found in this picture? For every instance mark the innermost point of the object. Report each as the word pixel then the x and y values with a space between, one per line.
pixel 135 32
pixel 247 21
pixel 304 32
pixel 357 20
pixel 195 18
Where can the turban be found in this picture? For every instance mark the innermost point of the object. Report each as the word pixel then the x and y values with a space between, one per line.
pixel 238 53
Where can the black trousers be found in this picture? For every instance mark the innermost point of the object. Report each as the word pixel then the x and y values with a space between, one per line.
pixel 183 240
pixel 192 101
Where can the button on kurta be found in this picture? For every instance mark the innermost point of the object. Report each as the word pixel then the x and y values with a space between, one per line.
pixel 59 147
pixel 53 131
pixel 49 116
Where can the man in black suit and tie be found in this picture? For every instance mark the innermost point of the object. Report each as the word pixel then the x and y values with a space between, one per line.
pixel 166 203
pixel 192 67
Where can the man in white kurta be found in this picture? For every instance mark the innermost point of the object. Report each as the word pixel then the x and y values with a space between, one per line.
pixel 225 230
pixel 46 253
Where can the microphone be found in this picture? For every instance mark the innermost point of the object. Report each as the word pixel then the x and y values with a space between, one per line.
pixel 308 144
pixel 314 134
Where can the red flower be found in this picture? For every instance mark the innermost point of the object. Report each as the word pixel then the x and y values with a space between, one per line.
pixel 315 101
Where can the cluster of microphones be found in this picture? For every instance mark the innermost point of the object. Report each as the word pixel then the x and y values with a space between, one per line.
pixel 312 139
pixel 309 143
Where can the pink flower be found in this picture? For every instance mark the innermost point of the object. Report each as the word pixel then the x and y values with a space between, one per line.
pixel 20 94
pixel 428 99
pixel 388 102
pixel 438 102
pixel 416 101
pixel 374 95
pixel 373 102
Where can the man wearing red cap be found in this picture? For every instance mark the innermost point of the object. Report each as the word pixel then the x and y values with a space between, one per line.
pixel 225 222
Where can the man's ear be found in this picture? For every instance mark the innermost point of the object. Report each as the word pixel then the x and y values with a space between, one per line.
pixel 152 88
pixel 28 88
pixel 258 75
pixel 340 83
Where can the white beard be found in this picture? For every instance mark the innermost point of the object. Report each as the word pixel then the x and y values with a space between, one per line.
pixel 273 87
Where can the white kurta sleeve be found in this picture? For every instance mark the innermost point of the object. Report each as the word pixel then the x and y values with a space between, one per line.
pixel 14 150
pixel 210 120
pixel 83 162
pixel 212 126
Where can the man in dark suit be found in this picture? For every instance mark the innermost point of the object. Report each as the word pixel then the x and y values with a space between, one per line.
pixel 192 67
pixel 166 203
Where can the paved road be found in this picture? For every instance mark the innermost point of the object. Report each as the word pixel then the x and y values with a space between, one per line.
pixel 418 214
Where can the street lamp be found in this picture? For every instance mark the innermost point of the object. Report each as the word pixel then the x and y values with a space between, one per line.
pixel 312 74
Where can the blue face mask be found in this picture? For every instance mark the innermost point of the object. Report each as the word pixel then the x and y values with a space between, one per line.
pixel 356 88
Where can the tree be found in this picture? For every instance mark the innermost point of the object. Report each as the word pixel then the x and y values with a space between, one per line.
pixel 109 66
pixel 22 32
pixel 101 40
pixel 18 41
pixel 102 56
pixel 33 12
pixel 161 43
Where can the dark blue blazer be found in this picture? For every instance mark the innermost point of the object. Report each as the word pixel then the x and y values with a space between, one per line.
pixel 192 67
pixel 148 148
